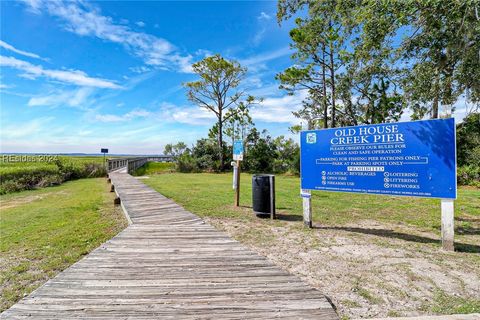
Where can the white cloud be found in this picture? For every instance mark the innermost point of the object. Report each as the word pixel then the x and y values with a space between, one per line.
pixel 203 53
pixel 139 69
pixel 75 98
pixel 140 24
pixel 258 37
pixel 136 113
pixel 7 46
pixel 25 129
pixel 278 109
pixel 69 76
pixel 85 19
pixel 189 114
pixel 257 62
pixel 264 16
pixel 193 116
pixel 4 86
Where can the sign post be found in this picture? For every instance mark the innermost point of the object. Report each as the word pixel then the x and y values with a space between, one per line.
pixel 104 151
pixel 447 224
pixel 416 159
pixel 237 156
pixel 307 201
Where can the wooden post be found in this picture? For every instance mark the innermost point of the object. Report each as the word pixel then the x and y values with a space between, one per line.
pixel 307 195
pixel 237 187
pixel 307 207
pixel 447 225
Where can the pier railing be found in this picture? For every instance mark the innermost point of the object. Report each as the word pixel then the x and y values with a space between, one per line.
pixel 133 163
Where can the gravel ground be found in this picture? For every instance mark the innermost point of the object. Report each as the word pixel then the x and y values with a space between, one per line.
pixel 369 269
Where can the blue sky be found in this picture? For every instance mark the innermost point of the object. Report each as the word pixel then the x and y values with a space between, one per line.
pixel 77 76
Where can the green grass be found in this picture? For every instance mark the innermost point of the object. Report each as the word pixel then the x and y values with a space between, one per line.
pixel 45 231
pixel 19 173
pixel 212 195
pixel 35 162
pixel 155 168
pixel 447 304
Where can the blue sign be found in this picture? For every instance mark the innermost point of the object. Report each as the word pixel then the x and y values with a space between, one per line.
pixel 415 158
pixel 238 150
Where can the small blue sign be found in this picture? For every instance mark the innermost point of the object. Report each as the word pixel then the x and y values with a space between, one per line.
pixel 415 158
pixel 238 150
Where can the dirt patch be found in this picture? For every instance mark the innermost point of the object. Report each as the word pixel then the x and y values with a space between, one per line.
pixel 368 269
pixel 18 201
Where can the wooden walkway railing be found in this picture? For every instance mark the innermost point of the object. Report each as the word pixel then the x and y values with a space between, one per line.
pixel 170 264
pixel 133 163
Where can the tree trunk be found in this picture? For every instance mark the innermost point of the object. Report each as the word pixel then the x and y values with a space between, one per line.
pixel 324 85
pixel 435 98
pixel 220 141
pixel 332 79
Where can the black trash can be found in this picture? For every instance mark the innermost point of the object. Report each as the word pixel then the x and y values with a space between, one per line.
pixel 263 195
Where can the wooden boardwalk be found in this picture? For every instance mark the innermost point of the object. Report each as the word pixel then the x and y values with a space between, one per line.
pixel 169 264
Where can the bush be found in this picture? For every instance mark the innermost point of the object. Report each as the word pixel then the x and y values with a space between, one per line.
pixel 186 164
pixel 468 175
pixel 26 176
pixel 468 141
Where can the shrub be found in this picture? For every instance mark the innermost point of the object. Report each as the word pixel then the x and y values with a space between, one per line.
pixel 468 141
pixel 26 176
pixel 186 163
pixel 469 175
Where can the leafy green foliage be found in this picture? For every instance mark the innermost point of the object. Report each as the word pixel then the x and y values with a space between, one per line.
pixel 216 91
pixel 203 156
pixel 468 141
pixel 469 176
pixel 351 51
pixel 262 154
pixel 175 150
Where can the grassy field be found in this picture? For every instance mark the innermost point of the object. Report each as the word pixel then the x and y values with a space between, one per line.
pixel 45 231
pixel 374 256
pixel 155 168
pixel 329 208
pixel 26 172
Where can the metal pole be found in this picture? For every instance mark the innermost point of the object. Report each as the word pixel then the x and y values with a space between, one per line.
pixel 237 189
pixel 271 179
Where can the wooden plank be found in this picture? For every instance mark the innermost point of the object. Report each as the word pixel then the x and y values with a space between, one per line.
pixel 170 264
